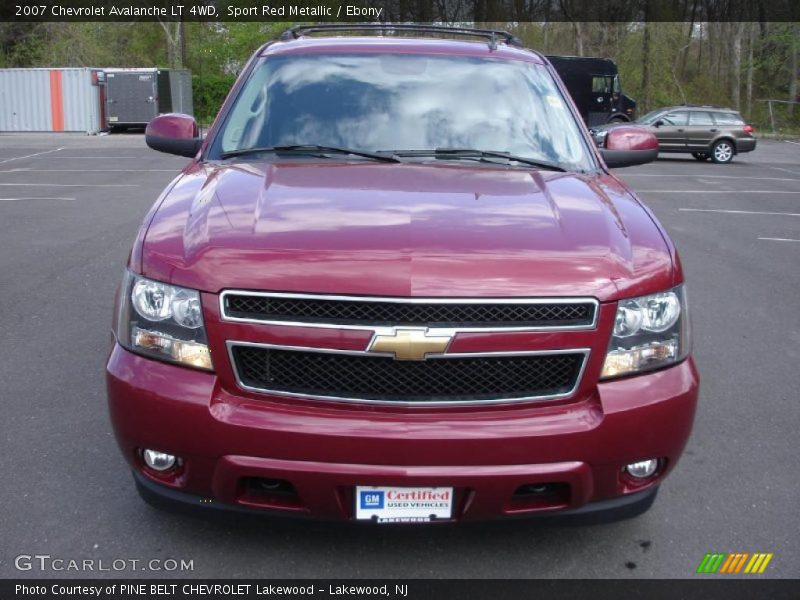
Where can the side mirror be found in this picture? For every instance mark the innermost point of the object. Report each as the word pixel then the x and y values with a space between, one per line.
pixel 658 123
pixel 627 145
pixel 174 133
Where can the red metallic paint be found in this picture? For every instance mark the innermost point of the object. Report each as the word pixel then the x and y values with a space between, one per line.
pixel 352 227
pixel 630 137
pixel 405 230
pixel 173 125
pixel 324 450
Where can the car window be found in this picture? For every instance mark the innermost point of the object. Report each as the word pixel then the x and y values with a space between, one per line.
pixel 675 118
pixel 699 117
pixel 726 118
pixel 385 102
pixel 601 84
pixel 650 117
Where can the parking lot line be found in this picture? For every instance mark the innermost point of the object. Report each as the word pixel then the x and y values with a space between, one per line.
pixel 782 169
pixel 23 170
pixel 63 156
pixel 739 212
pixel 19 199
pixel 718 191
pixel 685 175
pixel 29 155
pixel 73 184
pixel 778 239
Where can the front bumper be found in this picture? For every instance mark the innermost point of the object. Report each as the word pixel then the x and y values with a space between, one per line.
pixel 225 439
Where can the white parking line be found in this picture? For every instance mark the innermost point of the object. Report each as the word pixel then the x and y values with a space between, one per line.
pixel 782 169
pixel 779 239
pixel 73 184
pixel 155 156
pixel 739 212
pixel 684 176
pixel 19 199
pixel 788 142
pixel 30 155
pixel 24 170
pixel 718 191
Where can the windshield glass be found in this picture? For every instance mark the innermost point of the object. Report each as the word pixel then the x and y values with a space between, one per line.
pixel 651 116
pixel 391 102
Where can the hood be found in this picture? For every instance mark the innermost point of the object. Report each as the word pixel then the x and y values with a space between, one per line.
pixel 446 229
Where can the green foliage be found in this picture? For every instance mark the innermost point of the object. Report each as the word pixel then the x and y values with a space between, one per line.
pixel 209 92
pixel 687 63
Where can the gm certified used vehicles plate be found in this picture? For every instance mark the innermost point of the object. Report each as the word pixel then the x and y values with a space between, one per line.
pixel 397 282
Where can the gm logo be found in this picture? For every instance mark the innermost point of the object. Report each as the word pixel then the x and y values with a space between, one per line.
pixel 371 499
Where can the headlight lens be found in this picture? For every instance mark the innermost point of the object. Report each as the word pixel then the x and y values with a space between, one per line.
pixel 152 300
pixel 650 332
pixel 162 321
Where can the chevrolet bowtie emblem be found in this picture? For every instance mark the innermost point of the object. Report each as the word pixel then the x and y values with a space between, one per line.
pixel 409 344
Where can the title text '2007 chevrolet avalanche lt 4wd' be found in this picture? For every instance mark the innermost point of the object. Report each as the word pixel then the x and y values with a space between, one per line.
pixel 397 282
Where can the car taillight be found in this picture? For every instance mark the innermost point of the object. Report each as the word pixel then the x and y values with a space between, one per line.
pixel 748 129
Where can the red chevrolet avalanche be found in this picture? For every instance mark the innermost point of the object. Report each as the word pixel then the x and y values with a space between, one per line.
pixel 397 282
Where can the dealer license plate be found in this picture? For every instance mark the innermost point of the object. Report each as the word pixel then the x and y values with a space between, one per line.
pixel 403 504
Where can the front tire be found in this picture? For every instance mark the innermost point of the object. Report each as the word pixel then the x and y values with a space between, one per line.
pixel 701 155
pixel 722 152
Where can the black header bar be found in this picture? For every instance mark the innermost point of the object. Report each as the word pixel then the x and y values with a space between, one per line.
pixel 400 11
pixel 703 587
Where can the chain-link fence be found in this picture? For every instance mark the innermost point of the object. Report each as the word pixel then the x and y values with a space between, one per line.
pixel 777 116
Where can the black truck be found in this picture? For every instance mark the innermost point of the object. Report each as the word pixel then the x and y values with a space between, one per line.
pixel 595 88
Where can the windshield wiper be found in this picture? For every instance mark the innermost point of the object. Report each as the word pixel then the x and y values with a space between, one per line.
pixel 312 149
pixel 470 153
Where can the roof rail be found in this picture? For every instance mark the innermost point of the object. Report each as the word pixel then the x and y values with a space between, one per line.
pixel 704 106
pixel 489 34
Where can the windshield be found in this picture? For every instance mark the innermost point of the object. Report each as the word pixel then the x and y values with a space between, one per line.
pixel 651 116
pixel 391 102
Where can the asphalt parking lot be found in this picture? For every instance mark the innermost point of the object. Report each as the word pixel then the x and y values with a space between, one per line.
pixel 69 208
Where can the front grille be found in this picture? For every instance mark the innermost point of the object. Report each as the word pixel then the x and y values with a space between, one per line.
pixel 367 312
pixel 375 378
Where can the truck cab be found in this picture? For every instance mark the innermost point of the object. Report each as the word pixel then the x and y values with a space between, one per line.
pixel 595 87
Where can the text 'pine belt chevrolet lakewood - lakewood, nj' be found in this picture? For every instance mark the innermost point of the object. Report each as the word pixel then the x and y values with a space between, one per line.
pixel 398 282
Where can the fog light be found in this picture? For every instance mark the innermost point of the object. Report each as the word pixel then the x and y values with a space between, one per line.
pixel 158 461
pixel 642 469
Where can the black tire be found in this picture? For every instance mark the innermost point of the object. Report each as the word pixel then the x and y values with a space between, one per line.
pixel 617 120
pixel 701 155
pixel 722 152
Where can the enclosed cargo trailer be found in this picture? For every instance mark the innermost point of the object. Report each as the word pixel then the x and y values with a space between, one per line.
pixel 135 96
pixel 60 99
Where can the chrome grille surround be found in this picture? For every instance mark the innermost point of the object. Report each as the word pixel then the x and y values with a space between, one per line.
pixel 511 303
pixel 382 330
pixel 583 352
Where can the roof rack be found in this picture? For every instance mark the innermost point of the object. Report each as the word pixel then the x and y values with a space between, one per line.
pixel 703 106
pixel 489 34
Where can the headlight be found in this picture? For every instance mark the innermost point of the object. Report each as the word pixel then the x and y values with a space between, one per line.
pixel 650 332
pixel 162 321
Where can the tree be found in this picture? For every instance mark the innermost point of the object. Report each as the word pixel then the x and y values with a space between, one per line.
pixel 174 34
